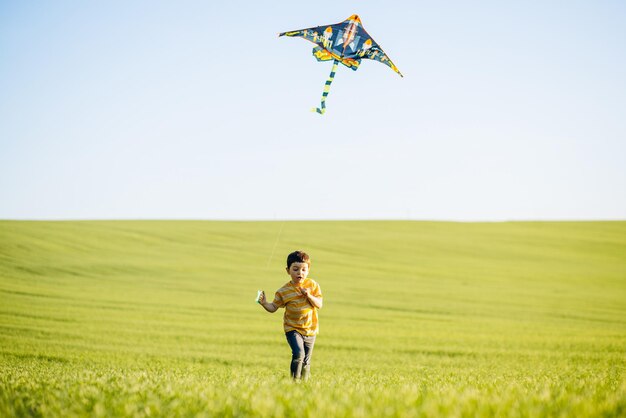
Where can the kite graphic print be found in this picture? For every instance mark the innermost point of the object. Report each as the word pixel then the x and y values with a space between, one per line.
pixel 346 43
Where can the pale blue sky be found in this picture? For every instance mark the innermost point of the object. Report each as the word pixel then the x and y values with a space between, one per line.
pixel 192 110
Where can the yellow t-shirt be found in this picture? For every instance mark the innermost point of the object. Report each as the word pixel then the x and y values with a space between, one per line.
pixel 300 315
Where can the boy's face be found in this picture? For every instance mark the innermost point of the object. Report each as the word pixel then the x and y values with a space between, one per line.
pixel 298 272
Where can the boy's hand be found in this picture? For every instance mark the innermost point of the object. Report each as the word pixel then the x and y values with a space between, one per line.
pixel 305 292
pixel 262 298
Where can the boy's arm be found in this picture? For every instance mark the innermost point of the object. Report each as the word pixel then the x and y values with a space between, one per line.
pixel 316 301
pixel 268 306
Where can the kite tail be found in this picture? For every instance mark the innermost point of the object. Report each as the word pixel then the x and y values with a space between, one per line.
pixel 322 109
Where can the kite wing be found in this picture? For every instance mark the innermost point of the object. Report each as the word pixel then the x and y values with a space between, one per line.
pixel 346 42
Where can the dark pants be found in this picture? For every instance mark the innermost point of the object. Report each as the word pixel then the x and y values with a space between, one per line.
pixel 301 350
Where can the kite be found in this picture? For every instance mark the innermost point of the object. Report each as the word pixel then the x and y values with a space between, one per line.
pixel 346 42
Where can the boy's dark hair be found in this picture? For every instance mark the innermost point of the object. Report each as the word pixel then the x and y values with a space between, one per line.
pixel 298 257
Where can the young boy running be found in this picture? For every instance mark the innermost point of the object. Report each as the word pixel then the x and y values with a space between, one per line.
pixel 301 297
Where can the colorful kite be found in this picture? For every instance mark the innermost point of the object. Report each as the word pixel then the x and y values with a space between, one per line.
pixel 347 43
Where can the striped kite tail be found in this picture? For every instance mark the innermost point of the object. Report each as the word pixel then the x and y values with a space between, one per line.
pixel 322 109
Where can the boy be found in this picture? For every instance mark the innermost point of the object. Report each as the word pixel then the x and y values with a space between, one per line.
pixel 301 297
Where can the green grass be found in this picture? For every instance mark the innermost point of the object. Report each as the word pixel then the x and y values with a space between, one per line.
pixel 130 318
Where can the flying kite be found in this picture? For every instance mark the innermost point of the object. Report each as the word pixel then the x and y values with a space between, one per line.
pixel 345 42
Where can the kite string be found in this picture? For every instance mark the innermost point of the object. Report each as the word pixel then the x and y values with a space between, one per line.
pixel 275 243
pixel 322 109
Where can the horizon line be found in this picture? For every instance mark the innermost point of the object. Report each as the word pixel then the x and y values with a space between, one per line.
pixel 130 219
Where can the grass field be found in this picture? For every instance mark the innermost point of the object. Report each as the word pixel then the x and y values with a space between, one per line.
pixel 147 318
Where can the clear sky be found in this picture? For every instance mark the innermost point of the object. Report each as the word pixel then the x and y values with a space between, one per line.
pixel 197 110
